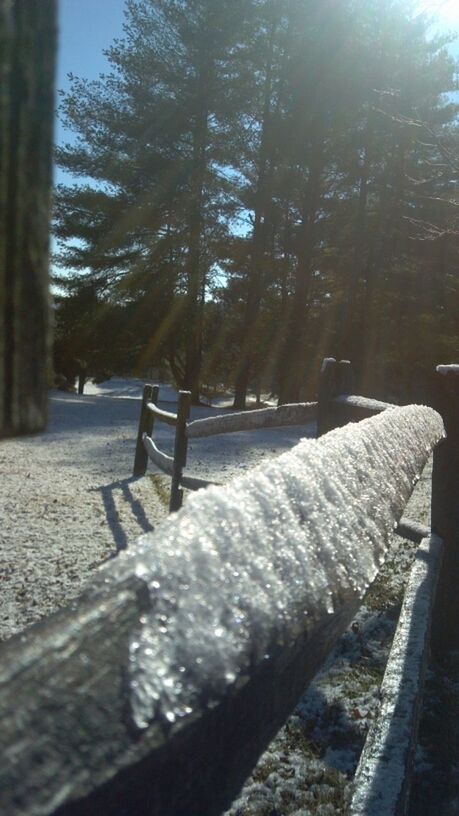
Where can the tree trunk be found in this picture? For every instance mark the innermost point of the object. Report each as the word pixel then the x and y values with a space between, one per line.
pixel 81 380
pixel 27 56
pixel 374 320
pixel 259 237
pixel 196 275
pixel 346 340
pixel 292 362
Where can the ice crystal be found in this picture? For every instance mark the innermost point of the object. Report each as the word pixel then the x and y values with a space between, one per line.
pixel 248 565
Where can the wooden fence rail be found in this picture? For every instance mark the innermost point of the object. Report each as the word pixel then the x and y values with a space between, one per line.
pixel 281 417
pixel 383 778
pixel 389 750
pixel 428 621
pixel 150 693
pixel 146 448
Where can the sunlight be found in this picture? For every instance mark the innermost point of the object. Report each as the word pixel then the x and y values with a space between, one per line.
pixel 447 11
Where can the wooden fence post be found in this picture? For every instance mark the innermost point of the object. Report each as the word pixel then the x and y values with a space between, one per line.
pixel 345 380
pixel 445 511
pixel 326 392
pixel 27 59
pixel 180 450
pixel 146 422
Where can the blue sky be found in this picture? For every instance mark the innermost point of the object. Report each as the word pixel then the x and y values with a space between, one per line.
pixel 87 27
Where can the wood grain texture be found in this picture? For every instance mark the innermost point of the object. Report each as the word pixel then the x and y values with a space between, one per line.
pixel 69 745
pixel 27 57
pixel 445 511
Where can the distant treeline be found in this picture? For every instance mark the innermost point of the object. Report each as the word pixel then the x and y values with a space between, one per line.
pixel 258 184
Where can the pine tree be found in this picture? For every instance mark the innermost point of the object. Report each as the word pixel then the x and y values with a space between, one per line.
pixel 151 137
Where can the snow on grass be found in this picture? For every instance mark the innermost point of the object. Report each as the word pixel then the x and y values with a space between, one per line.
pixel 68 500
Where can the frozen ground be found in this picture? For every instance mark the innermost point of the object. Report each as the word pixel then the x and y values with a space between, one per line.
pixel 68 501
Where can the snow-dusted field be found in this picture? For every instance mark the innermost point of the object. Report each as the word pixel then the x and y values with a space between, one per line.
pixel 68 500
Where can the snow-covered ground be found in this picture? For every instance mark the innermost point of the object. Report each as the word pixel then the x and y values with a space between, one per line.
pixel 68 500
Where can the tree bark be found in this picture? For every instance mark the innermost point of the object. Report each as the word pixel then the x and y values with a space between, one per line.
pixel 27 57
pixel 259 237
pixel 196 274
pixel 81 379
pixel 346 332
pixel 292 362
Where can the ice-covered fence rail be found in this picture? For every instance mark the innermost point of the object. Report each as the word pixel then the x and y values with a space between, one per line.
pixel 284 415
pixel 357 407
pixel 165 416
pixel 156 692
pixel 161 460
pixel 166 464
pixel 298 414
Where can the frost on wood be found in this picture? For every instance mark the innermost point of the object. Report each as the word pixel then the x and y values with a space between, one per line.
pixel 365 403
pixel 448 369
pixel 381 782
pixel 244 568
pixel 295 414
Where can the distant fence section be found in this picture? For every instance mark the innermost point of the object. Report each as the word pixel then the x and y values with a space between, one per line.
pixel 146 448
pixel 336 405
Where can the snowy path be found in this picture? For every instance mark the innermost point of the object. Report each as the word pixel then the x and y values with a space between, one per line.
pixel 68 501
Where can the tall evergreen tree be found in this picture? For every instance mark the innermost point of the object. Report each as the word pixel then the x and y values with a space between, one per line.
pixel 151 137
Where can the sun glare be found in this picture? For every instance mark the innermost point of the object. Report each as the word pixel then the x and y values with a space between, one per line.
pixel 447 11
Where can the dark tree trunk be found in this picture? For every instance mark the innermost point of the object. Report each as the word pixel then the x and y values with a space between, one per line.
pixel 27 56
pixel 292 360
pixel 259 239
pixel 81 380
pixel 196 274
pixel 374 321
pixel 346 331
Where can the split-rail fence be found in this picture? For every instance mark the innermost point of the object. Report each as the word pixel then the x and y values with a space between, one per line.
pixel 70 741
